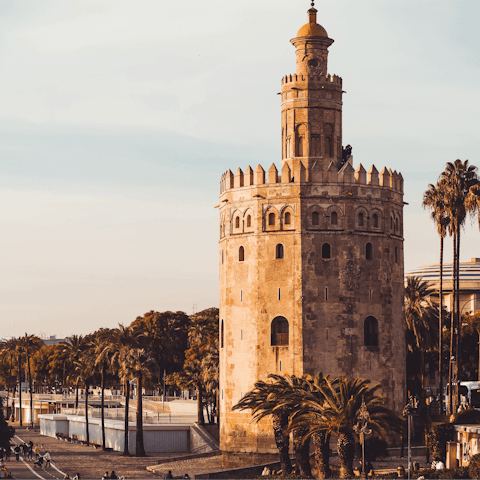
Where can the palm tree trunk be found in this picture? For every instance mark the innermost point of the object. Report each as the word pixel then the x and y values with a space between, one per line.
pixel 321 443
pixel 346 454
pixel 201 419
pixel 459 319
pixel 301 452
pixel 281 440
pixel 76 396
pixel 440 328
pixel 30 388
pixel 452 329
pixel 10 379
pixel 20 389
pixel 422 373
pixel 126 451
pixel 139 447
pixel 103 404
pixel 87 433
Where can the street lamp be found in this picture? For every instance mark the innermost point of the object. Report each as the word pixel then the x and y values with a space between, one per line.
pixel 361 428
pixel 411 408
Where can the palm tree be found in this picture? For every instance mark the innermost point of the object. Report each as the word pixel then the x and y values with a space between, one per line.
pixel 123 340
pixel 261 403
pixel 336 412
pixel 459 177
pixel 420 319
pixel 138 361
pixel 19 351
pixel 103 356
pixel 84 368
pixel 71 349
pixel 434 199
pixel 8 349
pixel 30 344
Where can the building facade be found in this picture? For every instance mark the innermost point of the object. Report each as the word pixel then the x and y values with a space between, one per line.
pixel 311 257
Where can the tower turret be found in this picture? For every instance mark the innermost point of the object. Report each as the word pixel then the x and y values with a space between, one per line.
pixel 312 102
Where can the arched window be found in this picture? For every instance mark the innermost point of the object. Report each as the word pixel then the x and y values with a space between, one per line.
pixel 249 221
pixel 288 218
pixel 360 219
pixel 241 254
pixel 396 225
pixel 370 331
pixel 334 218
pixel 315 219
pixel 279 251
pixel 391 223
pixel 326 250
pixel 237 222
pixel 279 331
pixel 375 220
pixel 369 251
pixel 222 335
pixel 271 218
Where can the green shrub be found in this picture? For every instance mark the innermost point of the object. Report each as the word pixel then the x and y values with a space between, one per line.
pixel 474 466
pixel 438 436
pixel 460 472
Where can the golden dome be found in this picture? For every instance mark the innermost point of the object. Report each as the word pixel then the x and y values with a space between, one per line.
pixel 312 30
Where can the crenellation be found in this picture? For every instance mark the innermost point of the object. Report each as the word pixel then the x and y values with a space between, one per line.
pixel 248 177
pixel 286 173
pixel 385 178
pixel 273 174
pixel 259 176
pixel 372 176
pixel 360 175
pixel 229 178
pixel 238 179
pixel 328 78
pixel 346 174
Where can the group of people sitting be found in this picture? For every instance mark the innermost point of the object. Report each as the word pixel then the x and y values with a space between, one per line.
pixel 111 476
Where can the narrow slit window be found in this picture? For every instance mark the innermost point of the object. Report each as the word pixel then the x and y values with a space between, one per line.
pixel 279 251
pixel 249 221
pixel 288 218
pixel 326 294
pixel 271 219
pixel 396 225
pixel 280 365
pixel 396 254
pixel 222 257
pixel 326 250
pixel 375 220
pixel 241 295
pixel 334 218
pixel 241 254
pixel 371 294
pixel 279 295
pixel 237 222
pixel 315 219
pixel 222 335
pixel 241 334
pixel 326 334
pixel 369 251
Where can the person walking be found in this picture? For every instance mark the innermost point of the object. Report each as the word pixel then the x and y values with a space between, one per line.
pixel 16 451
pixel 47 458
pixel 30 451
pixel 113 475
pixel 37 451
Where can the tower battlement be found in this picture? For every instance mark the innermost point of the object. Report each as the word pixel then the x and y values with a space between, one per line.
pixel 312 78
pixel 347 175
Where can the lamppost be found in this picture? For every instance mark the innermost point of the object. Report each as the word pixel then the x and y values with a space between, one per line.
pixel 361 428
pixel 411 408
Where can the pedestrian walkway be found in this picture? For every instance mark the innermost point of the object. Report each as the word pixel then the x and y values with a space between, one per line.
pixel 193 466
pixel 75 458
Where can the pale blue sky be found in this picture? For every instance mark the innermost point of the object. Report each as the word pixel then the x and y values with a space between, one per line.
pixel 118 118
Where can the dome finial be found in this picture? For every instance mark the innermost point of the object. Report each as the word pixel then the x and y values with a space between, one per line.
pixel 313 3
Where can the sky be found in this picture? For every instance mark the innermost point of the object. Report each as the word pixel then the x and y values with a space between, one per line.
pixel 117 119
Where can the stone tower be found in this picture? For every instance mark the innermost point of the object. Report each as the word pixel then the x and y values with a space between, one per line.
pixel 311 258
